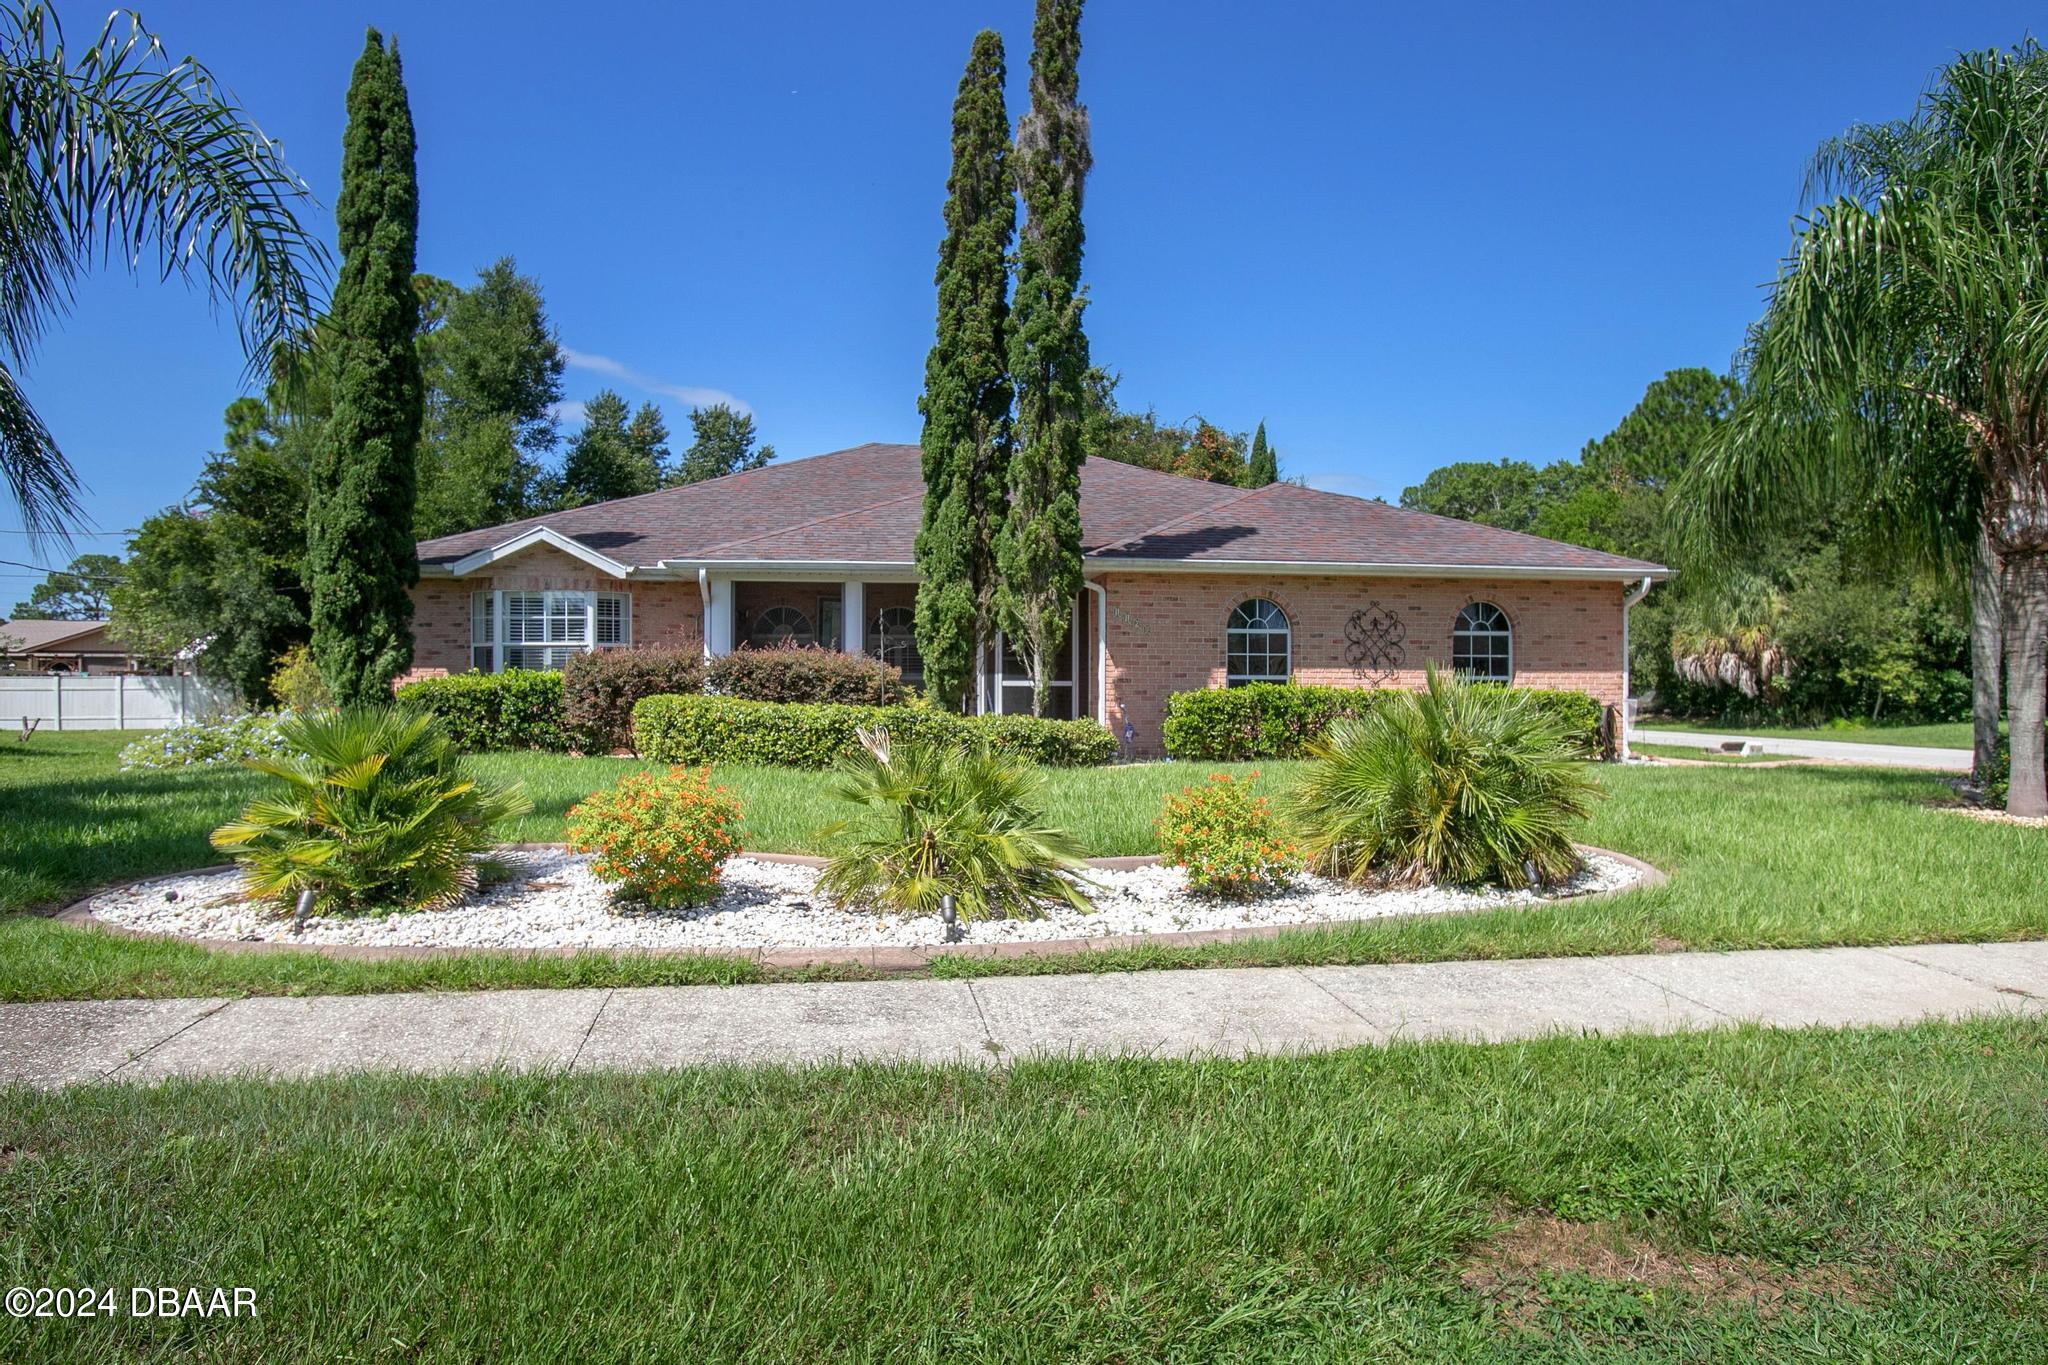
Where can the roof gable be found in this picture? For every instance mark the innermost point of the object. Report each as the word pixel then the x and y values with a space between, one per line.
pixel 530 538
pixel 32 635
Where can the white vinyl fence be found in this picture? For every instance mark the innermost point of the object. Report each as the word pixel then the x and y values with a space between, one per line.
pixel 107 701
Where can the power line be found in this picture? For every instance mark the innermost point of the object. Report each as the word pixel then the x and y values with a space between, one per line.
pixel 91 535
pixel 47 572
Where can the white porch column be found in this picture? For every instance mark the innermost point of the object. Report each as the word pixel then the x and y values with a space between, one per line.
pixel 718 623
pixel 853 616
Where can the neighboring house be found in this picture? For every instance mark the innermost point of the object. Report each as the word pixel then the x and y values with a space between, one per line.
pixel 61 647
pixel 1188 584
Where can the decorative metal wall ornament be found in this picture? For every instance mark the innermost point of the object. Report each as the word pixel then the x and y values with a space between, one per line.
pixel 1374 641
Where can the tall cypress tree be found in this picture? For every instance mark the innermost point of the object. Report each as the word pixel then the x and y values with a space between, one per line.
pixel 360 547
pixel 966 402
pixel 1039 549
pixel 1263 467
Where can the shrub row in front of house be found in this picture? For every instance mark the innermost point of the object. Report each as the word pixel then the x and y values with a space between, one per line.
pixel 588 706
pixel 705 729
pixel 1281 720
pixel 484 711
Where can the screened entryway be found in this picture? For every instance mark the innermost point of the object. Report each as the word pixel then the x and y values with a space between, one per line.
pixel 876 619
pixel 1006 686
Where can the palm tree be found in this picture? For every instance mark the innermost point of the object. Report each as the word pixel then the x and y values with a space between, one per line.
pixel 1901 365
pixel 116 151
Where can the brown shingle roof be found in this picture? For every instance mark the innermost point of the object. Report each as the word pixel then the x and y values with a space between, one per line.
pixel 32 636
pixel 863 505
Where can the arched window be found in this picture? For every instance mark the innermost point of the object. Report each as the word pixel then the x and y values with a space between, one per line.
pixel 892 638
pixel 1257 645
pixel 1483 644
pixel 781 626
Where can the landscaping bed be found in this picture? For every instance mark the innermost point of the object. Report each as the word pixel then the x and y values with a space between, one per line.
pixel 550 899
pixel 1786 857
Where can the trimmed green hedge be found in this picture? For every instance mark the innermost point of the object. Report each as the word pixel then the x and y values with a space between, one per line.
pixel 1280 720
pixel 510 710
pixel 1257 720
pixel 698 729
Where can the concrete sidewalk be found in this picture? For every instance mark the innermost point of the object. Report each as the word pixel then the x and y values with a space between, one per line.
pixel 1839 751
pixel 1162 1013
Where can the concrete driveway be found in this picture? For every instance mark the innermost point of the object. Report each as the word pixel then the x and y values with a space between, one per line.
pixel 1839 751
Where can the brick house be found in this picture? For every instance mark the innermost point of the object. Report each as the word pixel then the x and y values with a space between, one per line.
pixel 1188 584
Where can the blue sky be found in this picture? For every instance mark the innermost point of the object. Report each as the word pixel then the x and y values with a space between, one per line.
pixel 1400 234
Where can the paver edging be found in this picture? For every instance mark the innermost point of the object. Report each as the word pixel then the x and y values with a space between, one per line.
pixel 887 960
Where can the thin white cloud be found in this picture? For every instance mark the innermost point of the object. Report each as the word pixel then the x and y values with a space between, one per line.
pixel 685 393
pixel 568 414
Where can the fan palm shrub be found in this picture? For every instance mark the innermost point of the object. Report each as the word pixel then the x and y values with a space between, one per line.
pixel 1461 783
pixel 377 813
pixel 938 820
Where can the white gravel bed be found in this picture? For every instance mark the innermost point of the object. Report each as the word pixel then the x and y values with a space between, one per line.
pixel 552 901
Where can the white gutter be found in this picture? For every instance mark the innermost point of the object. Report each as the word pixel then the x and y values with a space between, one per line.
pixel 1106 563
pixel 804 570
pixel 1101 651
pixel 1629 599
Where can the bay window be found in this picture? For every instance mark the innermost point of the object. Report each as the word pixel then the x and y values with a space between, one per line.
pixel 540 630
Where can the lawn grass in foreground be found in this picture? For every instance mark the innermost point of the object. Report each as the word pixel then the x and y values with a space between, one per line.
pixel 1944 735
pixel 1785 857
pixel 1734 1196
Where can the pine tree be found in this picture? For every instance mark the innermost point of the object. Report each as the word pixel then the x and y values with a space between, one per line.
pixel 967 393
pixel 610 458
pixel 1039 549
pixel 647 439
pixel 721 443
pixel 493 373
pixel 1264 467
pixel 359 544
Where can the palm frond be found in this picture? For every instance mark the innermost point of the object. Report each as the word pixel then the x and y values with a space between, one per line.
pixel 378 813
pixel 118 152
pixel 1460 783
pixel 1902 344
pixel 35 471
pixel 934 821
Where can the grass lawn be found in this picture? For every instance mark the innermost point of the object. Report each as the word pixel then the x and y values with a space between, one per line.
pixel 1737 1196
pixel 1776 858
pixel 1950 735
pixel 1702 755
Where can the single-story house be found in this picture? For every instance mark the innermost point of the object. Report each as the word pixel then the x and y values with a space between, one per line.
pixel 61 647
pixel 1187 584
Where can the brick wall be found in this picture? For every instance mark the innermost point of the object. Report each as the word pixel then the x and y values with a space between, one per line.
pixel 1166 632
pixel 666 611
pixel 1165 629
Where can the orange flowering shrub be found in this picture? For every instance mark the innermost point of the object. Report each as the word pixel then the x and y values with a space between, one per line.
pixel 662 836
pixel 1227 838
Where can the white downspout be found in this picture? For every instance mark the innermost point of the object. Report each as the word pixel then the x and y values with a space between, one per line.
pixel 704 624
pixel 1629 599
pixel 1101 651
